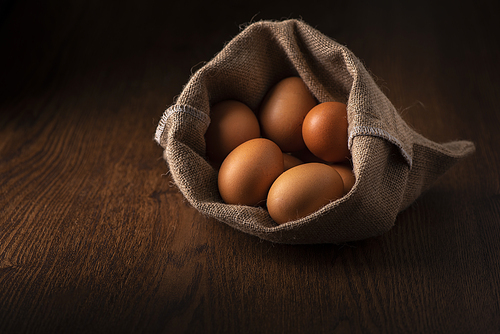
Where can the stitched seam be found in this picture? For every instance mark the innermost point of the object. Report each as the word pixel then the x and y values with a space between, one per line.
pixel 176 109
pixel 376 132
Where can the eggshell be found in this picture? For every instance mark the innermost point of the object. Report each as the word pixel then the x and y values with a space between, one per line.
pixel 325 131
pixel 282 112
pixel 231 123
pixel 290 161
pixel 247 173
pixel 302 190
pixel 347 175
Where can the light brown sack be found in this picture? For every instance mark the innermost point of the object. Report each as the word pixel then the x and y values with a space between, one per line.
pixel 392 163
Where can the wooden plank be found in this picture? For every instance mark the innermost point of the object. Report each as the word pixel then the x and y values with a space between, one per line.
pixel 95 238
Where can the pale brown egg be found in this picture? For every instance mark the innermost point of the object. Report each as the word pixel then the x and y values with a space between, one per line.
pixel 325 131
pixel 247 173
pixel 282 112
pixel 302 190
pixel 290 161
pixel 231 123
pixel 347 175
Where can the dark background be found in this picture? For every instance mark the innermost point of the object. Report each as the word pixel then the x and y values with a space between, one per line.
pixel 95 239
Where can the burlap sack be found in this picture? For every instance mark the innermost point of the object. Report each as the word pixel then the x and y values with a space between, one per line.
pixel 393 164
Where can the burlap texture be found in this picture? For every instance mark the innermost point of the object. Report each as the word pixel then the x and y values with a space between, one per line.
pixel 393 164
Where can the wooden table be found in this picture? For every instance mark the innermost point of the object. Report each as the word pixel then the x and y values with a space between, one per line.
pixel 94 238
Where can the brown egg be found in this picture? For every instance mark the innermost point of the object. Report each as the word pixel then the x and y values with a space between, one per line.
pixel 231 123
pixel 325 131
pixel 290 161
pixel 347 176
pixel 282 113
pixel 247 173
pixel 303 190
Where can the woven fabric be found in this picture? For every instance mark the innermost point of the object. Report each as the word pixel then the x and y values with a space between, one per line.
pixel 392 163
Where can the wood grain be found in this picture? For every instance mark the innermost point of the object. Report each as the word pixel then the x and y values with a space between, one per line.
pixel 94 237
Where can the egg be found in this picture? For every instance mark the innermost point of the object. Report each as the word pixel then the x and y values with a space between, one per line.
pixel 290 161
pixel 282 112
pixel 324 131
pixel 231 124
pixel 302 190
pixel 347 175
pixel 248 172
